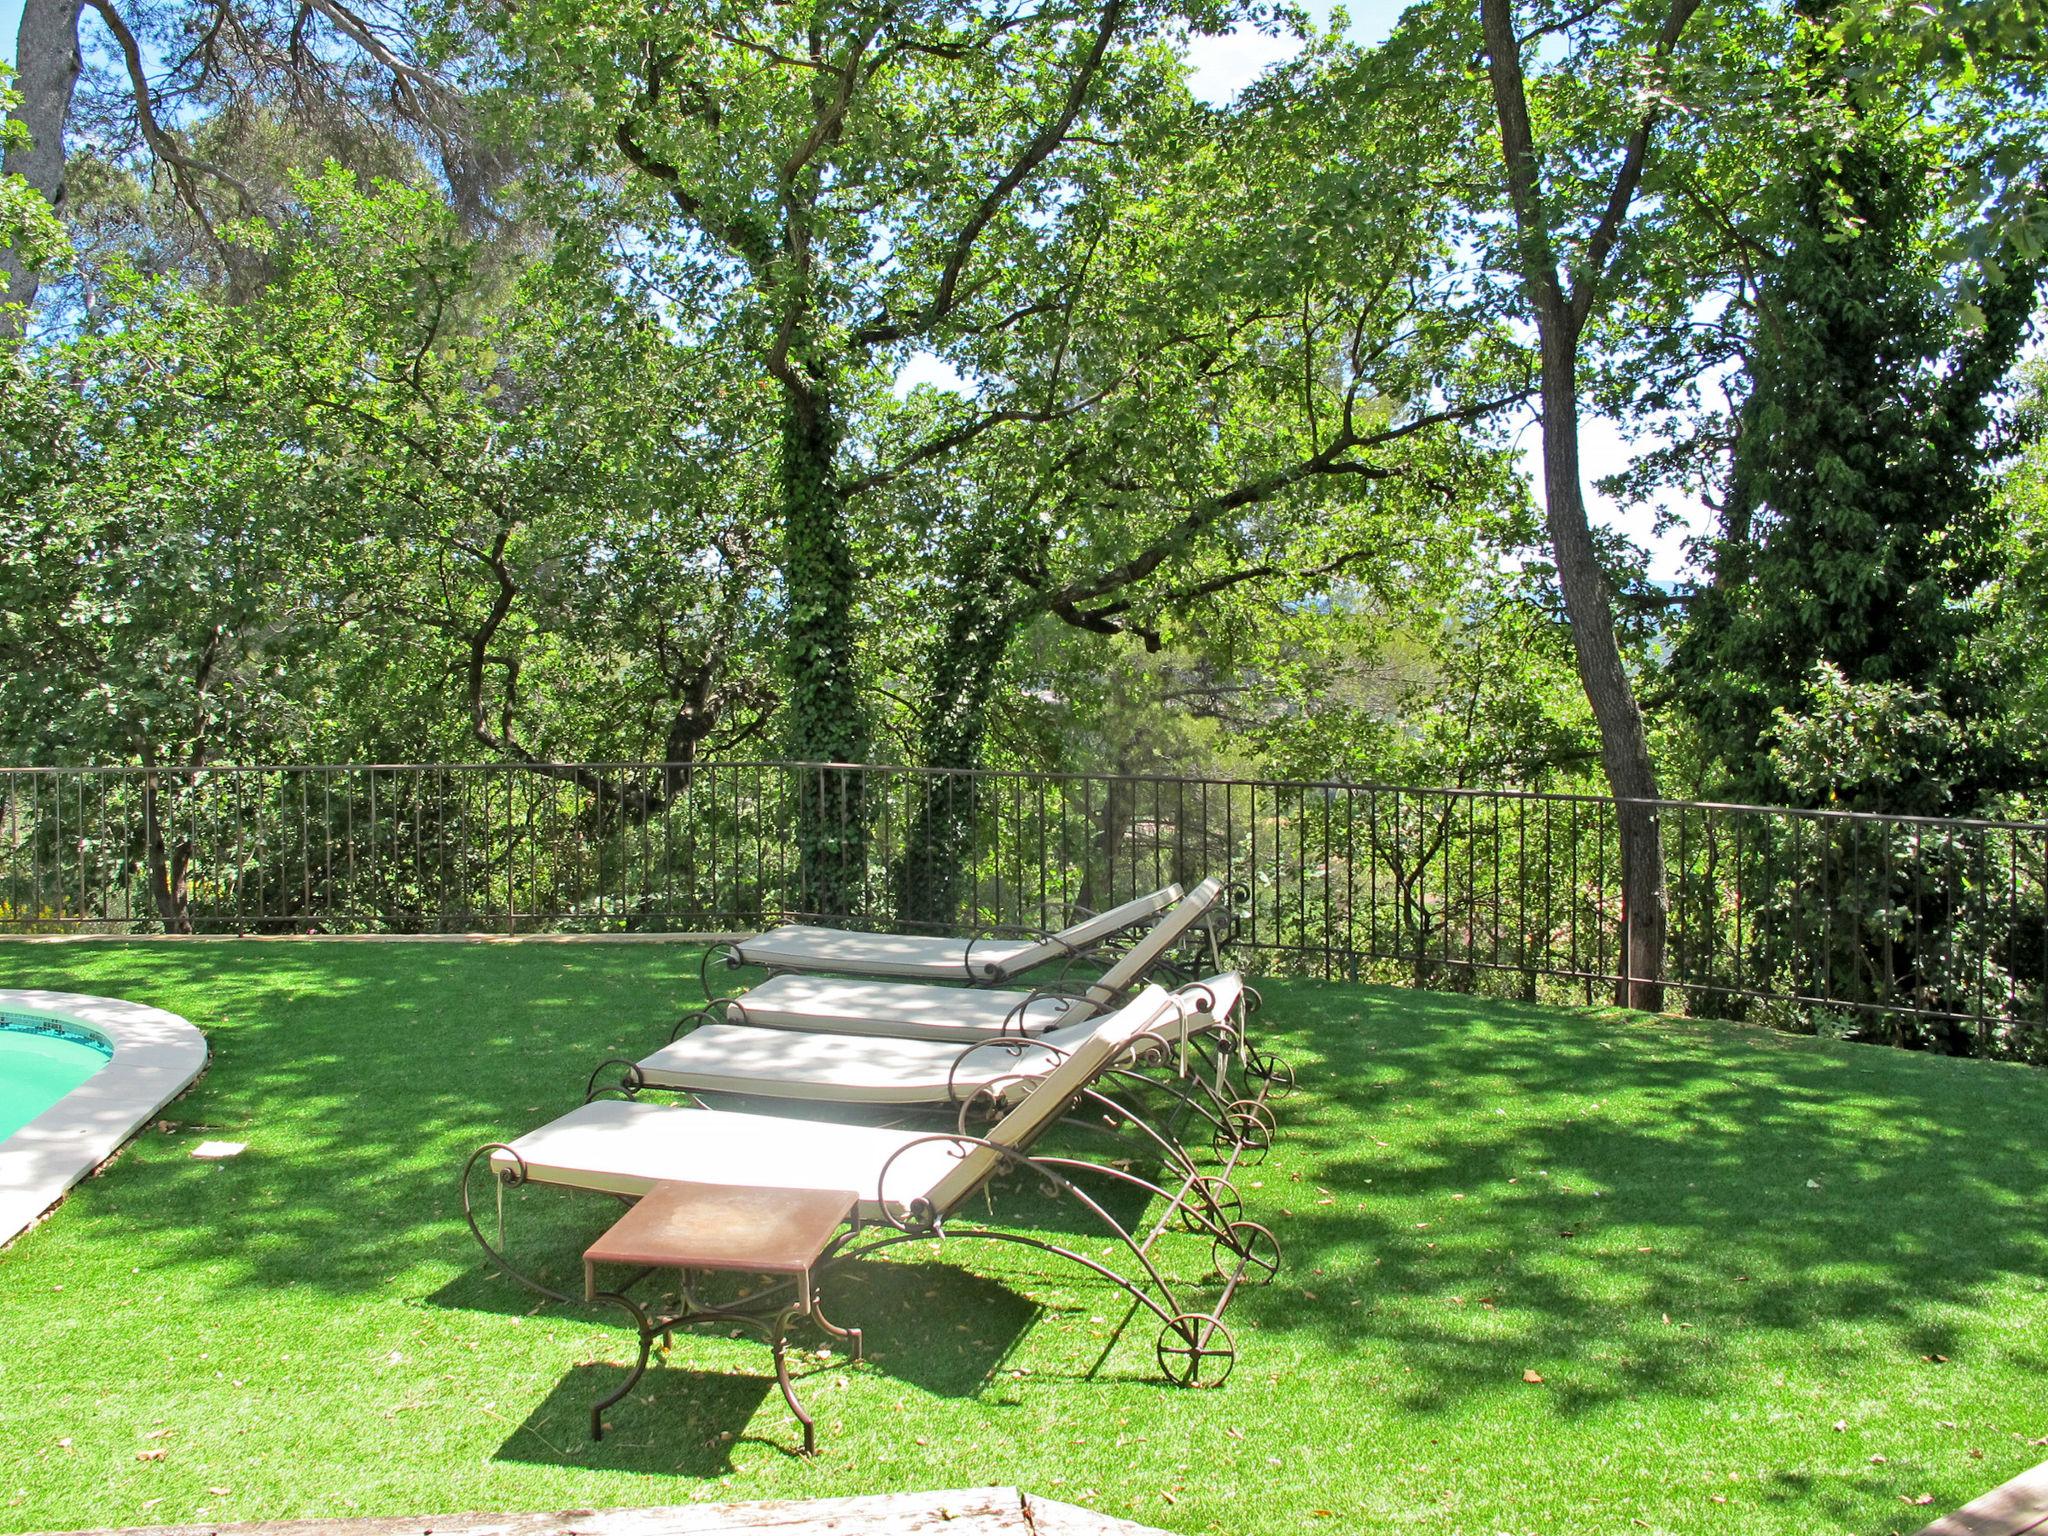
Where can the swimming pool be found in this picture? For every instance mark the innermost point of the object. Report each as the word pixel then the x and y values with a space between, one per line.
pixel 41 1060
pixel 78 1076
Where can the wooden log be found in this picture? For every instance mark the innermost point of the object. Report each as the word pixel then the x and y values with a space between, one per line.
pixel 961 1512
pixel 2017 1508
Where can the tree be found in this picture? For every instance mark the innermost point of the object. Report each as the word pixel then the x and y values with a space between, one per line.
pixel 855 181
pixel 149 603
pixel 1259 386
pixel 147 85
pixel 1860 525
pixel 368 513
pixel 1568 200
pixel 30 236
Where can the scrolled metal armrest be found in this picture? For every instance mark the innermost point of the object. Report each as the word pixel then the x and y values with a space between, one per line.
pixel 1036 995
pixel 697 1018
pixel 511 1178
pixel 919 1216
pixel 629 1085
pixel 1015 1045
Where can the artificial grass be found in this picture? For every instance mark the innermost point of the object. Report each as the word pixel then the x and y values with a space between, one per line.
pixel 1770 1285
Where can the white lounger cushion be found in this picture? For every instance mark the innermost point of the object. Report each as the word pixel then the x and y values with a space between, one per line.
pixel 797 947
pixel 849 1069
pixel 624 1148
pixel 912 1011
pixel 925 1012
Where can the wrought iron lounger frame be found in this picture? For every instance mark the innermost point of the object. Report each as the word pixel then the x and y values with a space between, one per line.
pixel 1242 1133
pixel 1238 1119
pixel 1193 1348
pixel 1063 991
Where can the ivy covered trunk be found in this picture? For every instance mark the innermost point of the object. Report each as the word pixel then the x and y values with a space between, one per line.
pixel 962 664
pixel 166 865
pixel 825 723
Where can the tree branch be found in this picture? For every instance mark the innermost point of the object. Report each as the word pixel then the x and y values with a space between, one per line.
pixel 162 143
pixel 1586 286
pixel 882 330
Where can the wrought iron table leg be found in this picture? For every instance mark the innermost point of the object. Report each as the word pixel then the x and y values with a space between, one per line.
pixel 647 1329
pixel 779 1342
pixel 850 1335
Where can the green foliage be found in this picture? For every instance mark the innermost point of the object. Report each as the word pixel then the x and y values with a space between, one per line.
pixel 385 509
pixel 2018 642
pixel 1861 528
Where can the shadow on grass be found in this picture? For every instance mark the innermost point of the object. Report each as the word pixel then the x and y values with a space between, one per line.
pixel 675 1420
pixel 1577 1175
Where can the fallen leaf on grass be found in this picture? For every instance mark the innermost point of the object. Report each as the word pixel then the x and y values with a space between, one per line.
pixel 1925 1498
pixel 156 1455
pixel 1532 1378
pixel 1877 1461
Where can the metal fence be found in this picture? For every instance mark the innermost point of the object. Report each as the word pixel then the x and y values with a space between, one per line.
pixel 1931 932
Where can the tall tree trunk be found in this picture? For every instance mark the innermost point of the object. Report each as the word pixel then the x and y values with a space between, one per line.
pixel 1560 311
pixel 826 724
pixel 961 666
pixel 166 866
pixel 1624 746
pixel 46 56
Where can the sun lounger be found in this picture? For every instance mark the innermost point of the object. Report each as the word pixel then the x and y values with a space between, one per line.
pixel 917 1069
pixel 847 952
pixel 909 1185
pixel 957 1014
pixel 1203 1041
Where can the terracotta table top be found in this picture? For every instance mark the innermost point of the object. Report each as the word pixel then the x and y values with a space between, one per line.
pixel 726 1227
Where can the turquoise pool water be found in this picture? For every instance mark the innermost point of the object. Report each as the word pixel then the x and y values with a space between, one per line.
pixel 40 1062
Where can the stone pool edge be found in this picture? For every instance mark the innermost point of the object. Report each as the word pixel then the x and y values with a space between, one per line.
pixel 156 1057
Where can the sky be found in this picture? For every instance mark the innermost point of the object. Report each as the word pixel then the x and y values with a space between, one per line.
pixel 1224 66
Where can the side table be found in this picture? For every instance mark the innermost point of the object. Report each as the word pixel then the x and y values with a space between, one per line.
pixel 698 1229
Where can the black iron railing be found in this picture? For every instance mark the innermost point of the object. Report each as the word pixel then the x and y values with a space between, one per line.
pixel 1937 929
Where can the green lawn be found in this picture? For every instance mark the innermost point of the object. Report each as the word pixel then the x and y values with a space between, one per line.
pixel 1768 1284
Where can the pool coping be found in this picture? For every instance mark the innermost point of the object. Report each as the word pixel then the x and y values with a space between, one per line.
pixel 156 1055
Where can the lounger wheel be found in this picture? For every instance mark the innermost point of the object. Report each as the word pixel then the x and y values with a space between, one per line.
pixel 1196 1350
pixel 1242 1136
pixel 1277 1075
pixel 1211 1203
pixel 1249 1250
pixel 1246 1131
pixel 1259 1110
